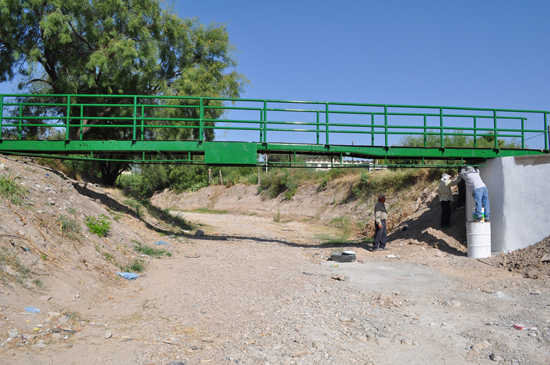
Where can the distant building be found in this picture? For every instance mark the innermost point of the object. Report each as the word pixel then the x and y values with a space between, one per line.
pixel 326 164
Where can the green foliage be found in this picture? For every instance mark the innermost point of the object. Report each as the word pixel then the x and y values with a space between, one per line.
pixel 208 211
pixel 153 252
pixel 391 181
pixel 136 266
pixel 99 225
pixel 116 216
pixel 284 180
pixel 277 217
pixel 108 256
pixel 11 188
pixel 458 139
pixel 38 283
pixel 134 204
pixel 21 272
pixel 274 183
pixel 117 48
pixel 323 184
pixel 69 226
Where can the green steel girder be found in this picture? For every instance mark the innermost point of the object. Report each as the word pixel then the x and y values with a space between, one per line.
pixel 398 152
pixel 245 153
pixel 102 146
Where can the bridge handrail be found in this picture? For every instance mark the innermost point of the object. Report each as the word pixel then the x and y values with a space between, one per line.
pixel 66 111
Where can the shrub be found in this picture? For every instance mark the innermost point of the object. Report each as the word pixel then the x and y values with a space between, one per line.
pixel 69 226
pixel 153 252
pixel 99 225
pixel 11 189
pixel 136 266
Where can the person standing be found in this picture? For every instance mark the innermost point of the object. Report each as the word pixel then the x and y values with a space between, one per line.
pixel 380 216
pixel 461 192
pixel 471 176
pixel 446 198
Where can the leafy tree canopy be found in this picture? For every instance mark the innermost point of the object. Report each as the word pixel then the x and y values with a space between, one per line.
pixel 117 47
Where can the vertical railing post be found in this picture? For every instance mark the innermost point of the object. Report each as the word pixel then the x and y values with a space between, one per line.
pixel 425 135
pixel 134 129
pixel 80 124
pixel 372 129
pixel 546 132
pixel 522 133
pixel 495 127
pixel 142 123
pixel 68 121
pixel 201 116
pixel 20 116
pixel 317 127
pixel 326 124
pixel 475 132
pixel 1 114
pixel 265 121
pixel 441 143
pixel 261 126
pixel 386 126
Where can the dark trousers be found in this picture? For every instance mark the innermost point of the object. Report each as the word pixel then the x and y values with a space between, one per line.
pixel 445 213
pixel 461 194
pixel 380 236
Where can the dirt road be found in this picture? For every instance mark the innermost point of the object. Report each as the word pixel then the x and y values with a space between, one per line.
pixel 252 291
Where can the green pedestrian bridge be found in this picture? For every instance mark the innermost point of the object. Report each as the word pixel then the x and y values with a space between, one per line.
pixel 163 129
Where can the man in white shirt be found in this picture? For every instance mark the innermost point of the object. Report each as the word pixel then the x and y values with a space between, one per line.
pixel 446 198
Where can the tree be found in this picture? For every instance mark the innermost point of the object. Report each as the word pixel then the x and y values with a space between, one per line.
pixel 117 47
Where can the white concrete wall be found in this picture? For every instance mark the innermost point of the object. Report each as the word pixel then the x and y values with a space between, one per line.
pixel 519 194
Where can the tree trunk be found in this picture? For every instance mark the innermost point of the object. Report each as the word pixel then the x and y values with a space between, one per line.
pixel 110 172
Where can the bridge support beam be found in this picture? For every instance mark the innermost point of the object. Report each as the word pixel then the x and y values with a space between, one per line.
pixel 519 195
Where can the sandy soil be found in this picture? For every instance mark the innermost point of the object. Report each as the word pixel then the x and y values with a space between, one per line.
pixel 254 291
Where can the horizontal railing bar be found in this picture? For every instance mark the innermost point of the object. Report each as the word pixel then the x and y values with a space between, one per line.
pixel 275 101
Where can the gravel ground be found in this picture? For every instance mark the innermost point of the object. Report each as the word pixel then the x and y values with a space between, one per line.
pixel 270 297
pixel 253 291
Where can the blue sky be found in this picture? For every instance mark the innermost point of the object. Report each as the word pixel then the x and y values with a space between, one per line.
pixel 488 54
pixel 455 53
pixel 491 54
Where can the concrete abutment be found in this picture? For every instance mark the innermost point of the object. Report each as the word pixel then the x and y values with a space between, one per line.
pixel 519 194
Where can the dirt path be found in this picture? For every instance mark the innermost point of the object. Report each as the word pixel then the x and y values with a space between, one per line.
pixel 253 291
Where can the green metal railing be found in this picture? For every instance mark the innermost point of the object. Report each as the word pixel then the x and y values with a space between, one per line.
pixel 140 125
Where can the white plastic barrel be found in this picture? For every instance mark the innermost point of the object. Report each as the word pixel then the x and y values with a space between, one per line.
pixel 479 239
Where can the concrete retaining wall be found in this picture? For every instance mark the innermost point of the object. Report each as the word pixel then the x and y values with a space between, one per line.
pixel 519 194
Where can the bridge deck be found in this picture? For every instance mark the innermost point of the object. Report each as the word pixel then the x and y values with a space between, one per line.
pixel 180 128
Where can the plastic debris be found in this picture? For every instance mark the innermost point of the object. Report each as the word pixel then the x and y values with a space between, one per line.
pixel 523 327
pixel 391 256
pixel 128 275
pixel 161 242
pixel 32 309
